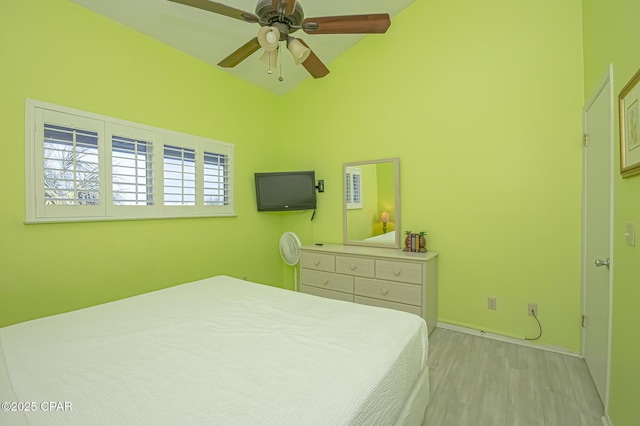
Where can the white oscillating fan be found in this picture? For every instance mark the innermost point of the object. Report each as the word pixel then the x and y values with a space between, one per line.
pixel 290 252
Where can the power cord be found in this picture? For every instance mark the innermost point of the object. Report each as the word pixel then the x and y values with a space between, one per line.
pixel 539 325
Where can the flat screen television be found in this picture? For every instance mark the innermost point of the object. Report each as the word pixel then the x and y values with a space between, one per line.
pixel 283 191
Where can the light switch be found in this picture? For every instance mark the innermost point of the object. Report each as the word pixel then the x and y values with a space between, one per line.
pixel 630 234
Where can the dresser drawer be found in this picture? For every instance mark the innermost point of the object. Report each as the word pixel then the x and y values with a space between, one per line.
pixel 326 280
pixel 390 305
pixel 387 290
pixel 321 292
pixel 383 277
pixel 358 266
pixel 406 272
pixel 318 261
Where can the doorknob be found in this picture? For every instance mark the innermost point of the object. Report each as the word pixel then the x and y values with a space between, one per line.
pixel 603 262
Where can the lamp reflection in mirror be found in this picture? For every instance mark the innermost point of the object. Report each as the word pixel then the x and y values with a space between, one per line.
pixel 298 50
pixel 384 218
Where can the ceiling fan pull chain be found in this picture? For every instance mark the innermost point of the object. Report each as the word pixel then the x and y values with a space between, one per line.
pixel 280 79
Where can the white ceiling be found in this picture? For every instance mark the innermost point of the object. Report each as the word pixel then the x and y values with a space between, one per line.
pixel 212 37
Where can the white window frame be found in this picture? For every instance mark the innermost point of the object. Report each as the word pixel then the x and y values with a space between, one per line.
pixel 352 190
pixel 38 112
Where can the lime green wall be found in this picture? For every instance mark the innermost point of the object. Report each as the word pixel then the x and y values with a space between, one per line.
pixel 611 36
pixel 482 104
pixel 58 52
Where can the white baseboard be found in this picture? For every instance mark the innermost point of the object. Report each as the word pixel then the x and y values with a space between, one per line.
pixel 507 339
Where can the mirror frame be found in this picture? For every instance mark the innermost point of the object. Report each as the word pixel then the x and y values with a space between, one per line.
pixel 396 166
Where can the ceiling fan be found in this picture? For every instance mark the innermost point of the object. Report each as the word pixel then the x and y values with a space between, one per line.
pixel 278 19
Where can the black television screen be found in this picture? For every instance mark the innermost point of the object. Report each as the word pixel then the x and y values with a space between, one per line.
pixel 282 191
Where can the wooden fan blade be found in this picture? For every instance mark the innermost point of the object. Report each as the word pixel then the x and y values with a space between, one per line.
pixel 290 6
pixel 241 54
pixel 313 64
pixel 221 9
pixel 349 24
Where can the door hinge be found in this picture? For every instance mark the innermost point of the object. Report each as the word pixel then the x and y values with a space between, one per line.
pixel 584 322
pixel 585 139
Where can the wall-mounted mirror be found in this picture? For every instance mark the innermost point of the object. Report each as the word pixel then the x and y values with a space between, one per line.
pixel 372 203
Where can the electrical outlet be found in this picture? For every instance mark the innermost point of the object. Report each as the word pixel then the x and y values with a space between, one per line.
pixel 492 303
pixel 532 308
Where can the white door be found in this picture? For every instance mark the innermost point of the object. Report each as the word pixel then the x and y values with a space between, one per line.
pixel 597 231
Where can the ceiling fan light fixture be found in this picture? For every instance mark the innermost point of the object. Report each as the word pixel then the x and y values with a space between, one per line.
pixel 268 37
pixel 299 51
pixel 270 58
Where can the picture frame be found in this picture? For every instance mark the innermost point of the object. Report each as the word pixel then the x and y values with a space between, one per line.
pixel 629 112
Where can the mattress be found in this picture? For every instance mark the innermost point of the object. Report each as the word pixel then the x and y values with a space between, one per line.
pixel 219 351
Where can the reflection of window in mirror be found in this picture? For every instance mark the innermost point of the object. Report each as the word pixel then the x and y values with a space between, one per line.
pixel 353 187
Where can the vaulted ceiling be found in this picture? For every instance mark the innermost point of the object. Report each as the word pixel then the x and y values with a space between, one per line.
pixel 212 37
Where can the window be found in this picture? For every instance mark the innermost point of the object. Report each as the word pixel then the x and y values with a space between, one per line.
pixel 131 171
pixel 82 166
pixel 179 176
pixel 71 170
pixel 353 187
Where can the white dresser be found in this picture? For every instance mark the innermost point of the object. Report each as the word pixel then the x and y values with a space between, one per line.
pixel 389 278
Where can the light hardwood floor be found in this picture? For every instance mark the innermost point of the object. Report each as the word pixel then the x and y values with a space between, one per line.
pixel 476 381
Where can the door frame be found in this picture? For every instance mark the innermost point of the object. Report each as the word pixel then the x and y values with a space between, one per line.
pixel 607 79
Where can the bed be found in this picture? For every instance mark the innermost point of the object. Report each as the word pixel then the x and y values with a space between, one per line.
pixel 219 351
pixel 389 237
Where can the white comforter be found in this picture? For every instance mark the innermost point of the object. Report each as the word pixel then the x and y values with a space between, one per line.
pixel 219 351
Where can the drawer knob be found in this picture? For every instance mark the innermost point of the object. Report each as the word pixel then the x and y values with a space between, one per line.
pixel 396 271
pixel 385 291
pixel 325 281
pixel 316 262
pixel 353 266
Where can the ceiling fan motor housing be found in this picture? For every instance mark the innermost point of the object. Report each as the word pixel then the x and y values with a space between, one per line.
pixel 271 17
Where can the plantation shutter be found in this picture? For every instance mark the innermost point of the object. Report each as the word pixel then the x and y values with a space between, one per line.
pixel 353 187
pixel 82 166
pixel 132 171
pixel 69 172
pixel 179 176
pixel 71 167
pixel 216 179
